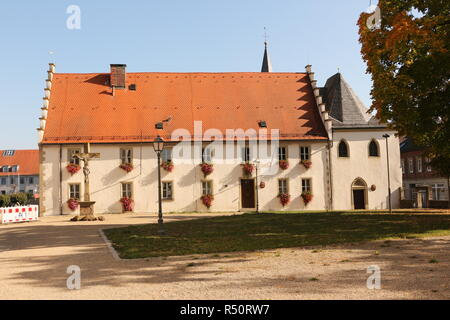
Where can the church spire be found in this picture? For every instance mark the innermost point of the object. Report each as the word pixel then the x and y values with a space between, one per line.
pixel 266 65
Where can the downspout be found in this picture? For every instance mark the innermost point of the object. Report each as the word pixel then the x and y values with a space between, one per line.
pixel 60 180
pixel 330 172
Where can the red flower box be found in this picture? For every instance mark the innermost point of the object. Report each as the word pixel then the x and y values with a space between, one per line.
pixel 207 168
pixel 284 164
pixel 127 204
pixel 307 197
pixel 128 167
pixel 73 168
pixel 168 166
pixel 207 200
pixel 248 169
pixel 306 163
pixel 73 204
pixel 285 199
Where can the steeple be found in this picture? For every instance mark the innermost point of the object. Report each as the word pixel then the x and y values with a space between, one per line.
pixel 266 65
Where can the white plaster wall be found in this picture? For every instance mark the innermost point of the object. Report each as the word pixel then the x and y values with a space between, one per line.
pixel 372 169
pixel 106 178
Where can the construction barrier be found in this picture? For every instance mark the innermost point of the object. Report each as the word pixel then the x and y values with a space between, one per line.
pixel 19 214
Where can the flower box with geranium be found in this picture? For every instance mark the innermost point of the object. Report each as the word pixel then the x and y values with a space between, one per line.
pixel 207 168
pixel 284 164
pixel 72 204
pixel 306 163
pixel 128 167
pixel 284 199
pixel 248 169
pixel 73 168
pixel 168 166
pixel 207 200
pixel 127 204
pixel 307 197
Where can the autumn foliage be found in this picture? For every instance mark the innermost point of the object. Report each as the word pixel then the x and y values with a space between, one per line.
pixel 408 58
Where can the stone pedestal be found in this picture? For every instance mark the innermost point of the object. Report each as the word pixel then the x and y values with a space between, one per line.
pixel 87 208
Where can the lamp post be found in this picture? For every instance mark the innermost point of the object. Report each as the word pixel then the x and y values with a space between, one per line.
pixel 386 136
pixel 158 146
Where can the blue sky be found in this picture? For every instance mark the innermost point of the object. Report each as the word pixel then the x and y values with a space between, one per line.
pixel 171 36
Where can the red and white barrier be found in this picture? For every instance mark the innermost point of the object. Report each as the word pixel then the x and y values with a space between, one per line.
pixel 19 214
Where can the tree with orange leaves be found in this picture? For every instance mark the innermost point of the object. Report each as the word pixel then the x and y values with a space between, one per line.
pixel 408 56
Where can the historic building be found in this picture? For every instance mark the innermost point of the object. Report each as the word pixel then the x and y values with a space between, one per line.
pixel 422 185
pixel 252 141
pixel 19 171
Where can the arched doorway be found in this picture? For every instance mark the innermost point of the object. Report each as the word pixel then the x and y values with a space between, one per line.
pixel 359 194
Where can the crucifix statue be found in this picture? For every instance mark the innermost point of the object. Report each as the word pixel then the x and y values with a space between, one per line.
pixel 86 156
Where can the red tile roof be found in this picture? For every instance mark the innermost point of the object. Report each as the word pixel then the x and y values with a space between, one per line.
pixel 83 109
pixel 27 160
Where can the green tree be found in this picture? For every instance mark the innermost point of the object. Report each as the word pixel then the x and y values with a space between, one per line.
pixel 408 57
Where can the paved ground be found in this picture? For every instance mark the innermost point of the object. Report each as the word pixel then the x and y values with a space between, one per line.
pixel 34 258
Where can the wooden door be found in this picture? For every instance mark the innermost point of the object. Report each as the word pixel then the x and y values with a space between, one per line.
pixel 359 201
pixel 248 193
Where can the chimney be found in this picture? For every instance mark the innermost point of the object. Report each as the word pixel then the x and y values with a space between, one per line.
pixel 118 76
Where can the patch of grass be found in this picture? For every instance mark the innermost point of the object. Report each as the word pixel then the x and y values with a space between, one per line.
pixel 264 231
pixel 313 279
pixel 433 261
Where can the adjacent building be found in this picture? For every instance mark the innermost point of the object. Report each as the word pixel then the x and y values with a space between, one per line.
pixel 19 171
pixel 272 141
pixel 422 185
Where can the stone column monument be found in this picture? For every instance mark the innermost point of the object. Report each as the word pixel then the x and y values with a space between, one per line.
pixel 86 206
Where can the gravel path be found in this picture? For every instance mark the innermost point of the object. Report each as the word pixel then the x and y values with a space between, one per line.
pixel 34 258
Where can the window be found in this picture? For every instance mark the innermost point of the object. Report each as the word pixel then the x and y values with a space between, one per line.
pixel 306 185
pixel 22 191
pixel 373 149
pixel 411 165
pixel 167 191
pixel 166 155
pixel 5 169
pixel 427 162
pixel 283 186
pixel 70 154
pixel 207 188
pixel 8 153
pixel 22 180
pixel 126 156
pixel 3 192
pixel 403 166
pixel 74 191
pixel 305 153
pixel 419 165
pixel 14 168
pixel 245 154
pixel 438 191
pixel 30 180
pixel 206 155
pixel 3 181
pixel 343 149
pixel 30 191
pixel 127 190
pixel 11 180
pixel 282 154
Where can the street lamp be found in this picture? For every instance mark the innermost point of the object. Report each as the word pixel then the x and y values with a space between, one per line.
pixel 386 136
pixel 158 146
